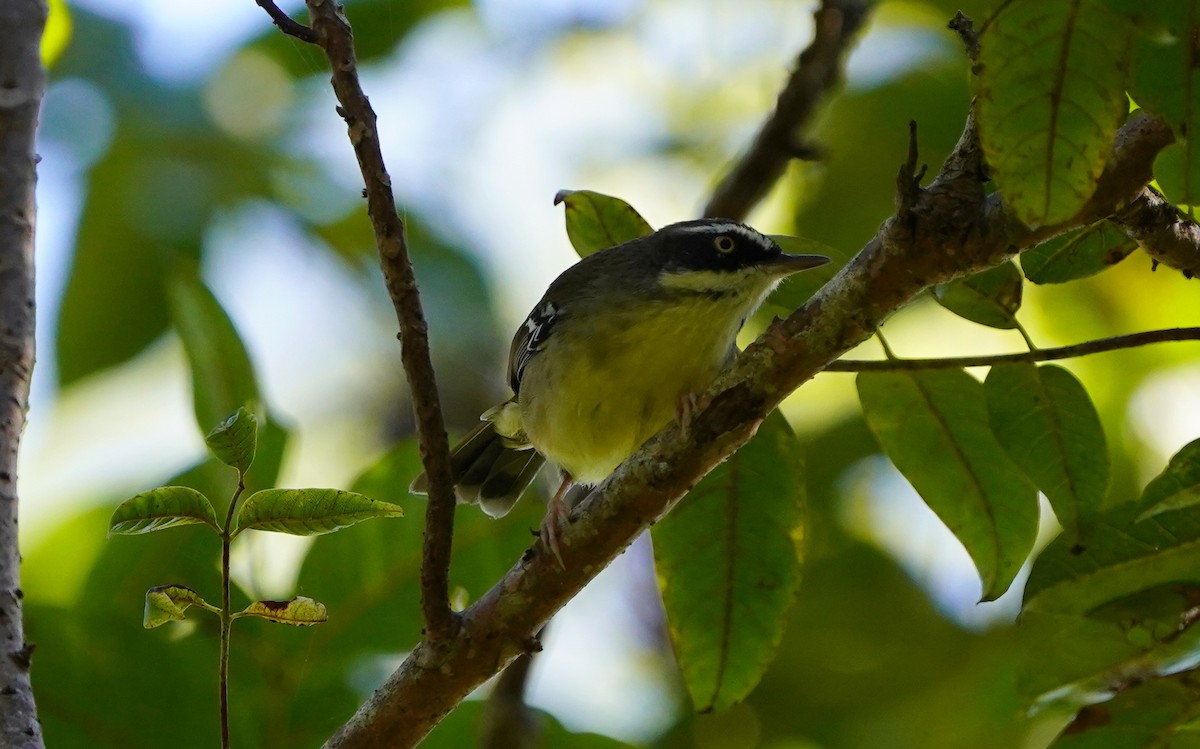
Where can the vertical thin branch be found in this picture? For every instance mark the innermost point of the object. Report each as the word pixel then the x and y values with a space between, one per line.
pixel 818 69
pixel 334 36
pixel 22 82
pixel 226 613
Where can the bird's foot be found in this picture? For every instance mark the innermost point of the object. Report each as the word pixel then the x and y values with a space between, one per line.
pixel 557 516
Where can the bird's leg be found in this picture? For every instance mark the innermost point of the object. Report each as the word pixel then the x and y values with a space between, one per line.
pixel 556 516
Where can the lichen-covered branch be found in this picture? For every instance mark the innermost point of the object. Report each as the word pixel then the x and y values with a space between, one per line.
pixel 22 82
pixel 946 230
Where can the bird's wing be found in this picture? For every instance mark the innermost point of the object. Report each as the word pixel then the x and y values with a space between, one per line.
pixel 529 340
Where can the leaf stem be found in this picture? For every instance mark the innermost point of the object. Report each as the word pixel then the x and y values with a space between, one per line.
pixel 226 616
pixel 1100 345
pixel 1025 334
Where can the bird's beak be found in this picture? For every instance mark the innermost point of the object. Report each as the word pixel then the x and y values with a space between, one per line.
pixel 785 265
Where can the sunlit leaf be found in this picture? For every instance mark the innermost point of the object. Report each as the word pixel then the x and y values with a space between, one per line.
pixel 1177 486
pixel 933 425
pixel 1044 419
pixel 596 221
pixel 298 612
pixel 57 32
pixel 309 512
pixel 165 507
pixel 1077 254
pixel 234 440
pixel 1122 557
pixel 989 298
pixel 167 603
pixel 1051 97
pixel 727 560
pixel 222 376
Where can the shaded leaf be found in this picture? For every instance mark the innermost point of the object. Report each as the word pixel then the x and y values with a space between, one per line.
pixel 164 507
pixel 167 603
pixel 1123 557
pixel 989 298
pixel 728 566
pixel 222 376
pixel 1051 97
pixel 798 287
pixel 1062 649
pixel 1159 714
pixel 933 425
pixel 1166 81
pixel 298 612
pixel 596 221
pixel 1177 486
pixel 308 512
pixel 1046 422
pixel 234 440
pixel 1077 254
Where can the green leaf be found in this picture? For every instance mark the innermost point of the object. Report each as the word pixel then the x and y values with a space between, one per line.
pixel 933 426
pixel 1166 81
pixel 1177 486
pixel 1177 170
pixel 1062 649
pixel 167 603
pixel 596 221
pixel 234 440
pixel 298 612
pixel 798 287
pixel 989 298
pixel 1051 93
pixel 728 566
pixel 309 512
pixel 1077 254
pixel 222 376
pixel 164 507
pixel 1046 422
pixel 1159 714
pixel 1123 557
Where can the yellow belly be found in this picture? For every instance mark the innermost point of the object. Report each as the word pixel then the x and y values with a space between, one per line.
pixel 589 404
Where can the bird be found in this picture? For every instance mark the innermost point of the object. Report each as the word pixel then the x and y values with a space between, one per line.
pixel 621 343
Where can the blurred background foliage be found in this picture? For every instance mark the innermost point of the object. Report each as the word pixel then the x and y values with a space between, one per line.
pixel 209 139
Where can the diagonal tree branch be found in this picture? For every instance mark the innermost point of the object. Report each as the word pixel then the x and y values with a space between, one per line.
pixel 22 82
pixel 818 69
pixel 332 34
pixel 948 230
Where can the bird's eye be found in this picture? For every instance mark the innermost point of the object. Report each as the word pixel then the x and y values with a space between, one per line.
pixel 724 244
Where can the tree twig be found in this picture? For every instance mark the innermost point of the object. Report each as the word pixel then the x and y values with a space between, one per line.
pixel 286 23
pixel 953 229
pixel 1098 346
pixel 1165 234
pixel 332 34
pixel 22 83
pixel 817 70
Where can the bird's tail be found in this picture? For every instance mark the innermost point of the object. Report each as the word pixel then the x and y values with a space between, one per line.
pixel 487 472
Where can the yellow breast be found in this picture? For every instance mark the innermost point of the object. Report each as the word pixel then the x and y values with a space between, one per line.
pixel 588 403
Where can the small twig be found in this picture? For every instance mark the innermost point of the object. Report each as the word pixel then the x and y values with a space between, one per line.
pixel 1098 346
pixel 286 23
pixel 965 29
pixel 331 32
pixel 908 179
pixel 818 69
pixel 1165 234
pixel 225 613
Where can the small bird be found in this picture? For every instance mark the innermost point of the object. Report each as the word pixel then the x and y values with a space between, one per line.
pixel 620 344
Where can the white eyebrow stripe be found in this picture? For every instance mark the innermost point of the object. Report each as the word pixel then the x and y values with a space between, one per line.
pixel 730 228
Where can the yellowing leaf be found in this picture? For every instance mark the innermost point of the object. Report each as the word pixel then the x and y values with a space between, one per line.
pixel 298 612
pixel 167 603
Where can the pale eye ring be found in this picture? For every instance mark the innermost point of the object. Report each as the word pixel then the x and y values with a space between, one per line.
pixel 724 244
